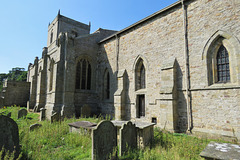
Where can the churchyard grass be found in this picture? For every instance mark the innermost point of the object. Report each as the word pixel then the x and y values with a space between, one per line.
pixel 53 141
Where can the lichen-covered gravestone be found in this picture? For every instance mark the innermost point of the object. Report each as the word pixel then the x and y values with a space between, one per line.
pixel 128 137
pixel 9 137
pixel 22 113
pixel 104 140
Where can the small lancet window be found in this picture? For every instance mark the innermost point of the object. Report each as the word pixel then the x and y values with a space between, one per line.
pixel 140 75
pixel 223 71
pixel 106 85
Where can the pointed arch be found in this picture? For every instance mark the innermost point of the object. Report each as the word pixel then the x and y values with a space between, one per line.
pixel 218 43
pixel 140 75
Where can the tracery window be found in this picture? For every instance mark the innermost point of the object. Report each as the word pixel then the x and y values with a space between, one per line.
pixel 83 75
pixel 140 75
pixel 223 71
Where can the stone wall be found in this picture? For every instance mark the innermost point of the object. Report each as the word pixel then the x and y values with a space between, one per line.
pixel 15 93
pixel 155 41
pixel 177 46
pixel 159 39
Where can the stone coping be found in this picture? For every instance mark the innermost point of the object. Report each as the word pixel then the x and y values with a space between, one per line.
pixel 83 124
pixel 140 125
pixel 221 151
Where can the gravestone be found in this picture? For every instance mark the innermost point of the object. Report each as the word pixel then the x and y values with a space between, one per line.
pixel 55 117
pixel 221 151
pixel 9 137
pixel 104 141
pixel 34 126
pixel 86 111
pixel 128 137
pixel 22 113
pixel 42 114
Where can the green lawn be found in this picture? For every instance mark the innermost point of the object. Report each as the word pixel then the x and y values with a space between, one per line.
pixel 53 141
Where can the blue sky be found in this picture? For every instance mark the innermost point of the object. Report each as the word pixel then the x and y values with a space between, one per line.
pixel 24 23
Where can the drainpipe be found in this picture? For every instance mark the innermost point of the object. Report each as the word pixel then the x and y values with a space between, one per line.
pixel 187 74
pixel 117 52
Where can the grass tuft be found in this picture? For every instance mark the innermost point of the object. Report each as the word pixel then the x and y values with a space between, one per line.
pixel 53 141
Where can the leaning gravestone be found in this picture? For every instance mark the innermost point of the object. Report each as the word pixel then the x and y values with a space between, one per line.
pixel 9 137
pixel 104 140
pixel 128 137
pixel 55 117
pixel 22 113
pixel 42 114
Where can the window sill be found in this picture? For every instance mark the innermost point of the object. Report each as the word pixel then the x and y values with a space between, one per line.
pixel 219 86
pixel 223 85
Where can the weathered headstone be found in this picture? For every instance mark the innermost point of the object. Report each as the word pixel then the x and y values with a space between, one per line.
pixel 86 111
pixel 9 137
pixel 22 113
pixel 42 114
pixel 221 151
pixel 128 137
pixel 104 140
pixel 55 117
pixel 34 126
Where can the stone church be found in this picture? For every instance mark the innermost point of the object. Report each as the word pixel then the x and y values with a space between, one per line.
pixel 178 68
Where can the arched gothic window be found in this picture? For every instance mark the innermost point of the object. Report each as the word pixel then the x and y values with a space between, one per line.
pixel 106 87
pixel 223 71
pixel 140 75
pixel 83 75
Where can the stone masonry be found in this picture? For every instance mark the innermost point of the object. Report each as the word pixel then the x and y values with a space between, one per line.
pixel 162 69
pixel 15 93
